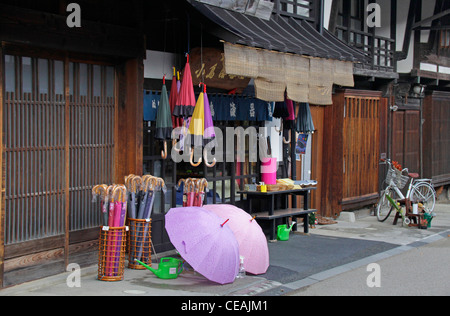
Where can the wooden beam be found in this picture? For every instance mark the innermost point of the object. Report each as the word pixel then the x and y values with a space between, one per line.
pixel 403 54
pixel 431 19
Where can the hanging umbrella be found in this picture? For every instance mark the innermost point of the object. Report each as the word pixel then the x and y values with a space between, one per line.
pixel 249 235
pixel 305 124
pixel 205 242
pixel 201 127
pixel 173 97
pixel 164 120
pixel 286 112
pixel 185 104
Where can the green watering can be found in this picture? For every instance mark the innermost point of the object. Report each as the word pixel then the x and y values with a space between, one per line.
pixel 168 268
pixel 283 232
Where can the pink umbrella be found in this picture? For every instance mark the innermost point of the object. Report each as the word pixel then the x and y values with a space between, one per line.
pixel 251 239
pixel 176 121
pixel 205 242
pixel 184 107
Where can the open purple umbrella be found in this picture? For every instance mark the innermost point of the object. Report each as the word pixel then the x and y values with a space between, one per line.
pixel 249 235
pixel 205 242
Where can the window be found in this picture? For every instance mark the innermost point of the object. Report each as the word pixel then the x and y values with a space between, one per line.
pixel 445 39
pixel 299 8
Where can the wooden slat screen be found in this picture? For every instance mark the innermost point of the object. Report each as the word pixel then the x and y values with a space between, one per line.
pixel 361 146
pixel 35 148
pixel 91 139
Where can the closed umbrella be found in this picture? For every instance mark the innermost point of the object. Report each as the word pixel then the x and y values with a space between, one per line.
pixel 205 242
pixel 185 104
pixel 201 127
pixel 249 235
pixel 173 97
pixel 286 112
pixel 305 124
pixel 102 191
pixel 164 120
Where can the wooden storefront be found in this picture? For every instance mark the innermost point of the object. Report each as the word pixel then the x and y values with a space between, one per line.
pixel 350 151
pixel 436 136
pixel 69 100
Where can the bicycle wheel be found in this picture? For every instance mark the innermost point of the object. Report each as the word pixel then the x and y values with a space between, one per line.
pixel 384 206
pixel 424 193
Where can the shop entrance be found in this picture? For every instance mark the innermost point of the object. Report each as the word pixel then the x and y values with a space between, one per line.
pixel 225 179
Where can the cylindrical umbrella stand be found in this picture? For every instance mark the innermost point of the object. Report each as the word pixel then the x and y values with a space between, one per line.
pixel 111 254
pixel 139 243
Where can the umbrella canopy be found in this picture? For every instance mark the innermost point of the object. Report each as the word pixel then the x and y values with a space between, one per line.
pixel 163 118
pixel 185 104
pixel 251 239
pixel 205 242
pixel 173 97
pixel 208 125
pixel 201 127
pixel 305 124
pixel 197 124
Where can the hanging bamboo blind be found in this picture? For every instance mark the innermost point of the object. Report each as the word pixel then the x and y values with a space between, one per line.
pixel 305 79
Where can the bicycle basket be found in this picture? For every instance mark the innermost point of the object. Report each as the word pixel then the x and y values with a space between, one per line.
pixel 396 176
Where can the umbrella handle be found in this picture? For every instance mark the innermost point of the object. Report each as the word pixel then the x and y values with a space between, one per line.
pixel 191 160
pixel 164 152
pixel 205 156
pixel 287 141
pixel 174 145
pixel 281 127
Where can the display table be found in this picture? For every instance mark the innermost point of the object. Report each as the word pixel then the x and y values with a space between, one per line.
pixel 273 206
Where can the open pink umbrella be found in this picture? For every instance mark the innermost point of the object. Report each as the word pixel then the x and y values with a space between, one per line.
pixel 251 239
pixel 205 242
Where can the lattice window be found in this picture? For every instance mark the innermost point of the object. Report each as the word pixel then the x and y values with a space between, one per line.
pixel 298 8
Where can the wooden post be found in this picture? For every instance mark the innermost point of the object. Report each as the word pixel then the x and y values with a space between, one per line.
pixel 2 173
pixel 67 162
pixel 129 118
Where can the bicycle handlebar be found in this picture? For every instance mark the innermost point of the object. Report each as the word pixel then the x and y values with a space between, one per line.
pixel 388 161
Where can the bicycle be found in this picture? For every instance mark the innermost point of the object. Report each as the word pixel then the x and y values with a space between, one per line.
pixel 420 191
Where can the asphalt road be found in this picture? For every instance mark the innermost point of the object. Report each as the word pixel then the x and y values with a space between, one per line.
pixel 421 271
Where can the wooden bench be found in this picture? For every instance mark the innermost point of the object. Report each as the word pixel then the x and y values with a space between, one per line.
pixel 286 213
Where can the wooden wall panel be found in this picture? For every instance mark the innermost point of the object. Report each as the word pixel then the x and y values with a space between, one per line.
pixel 436 145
